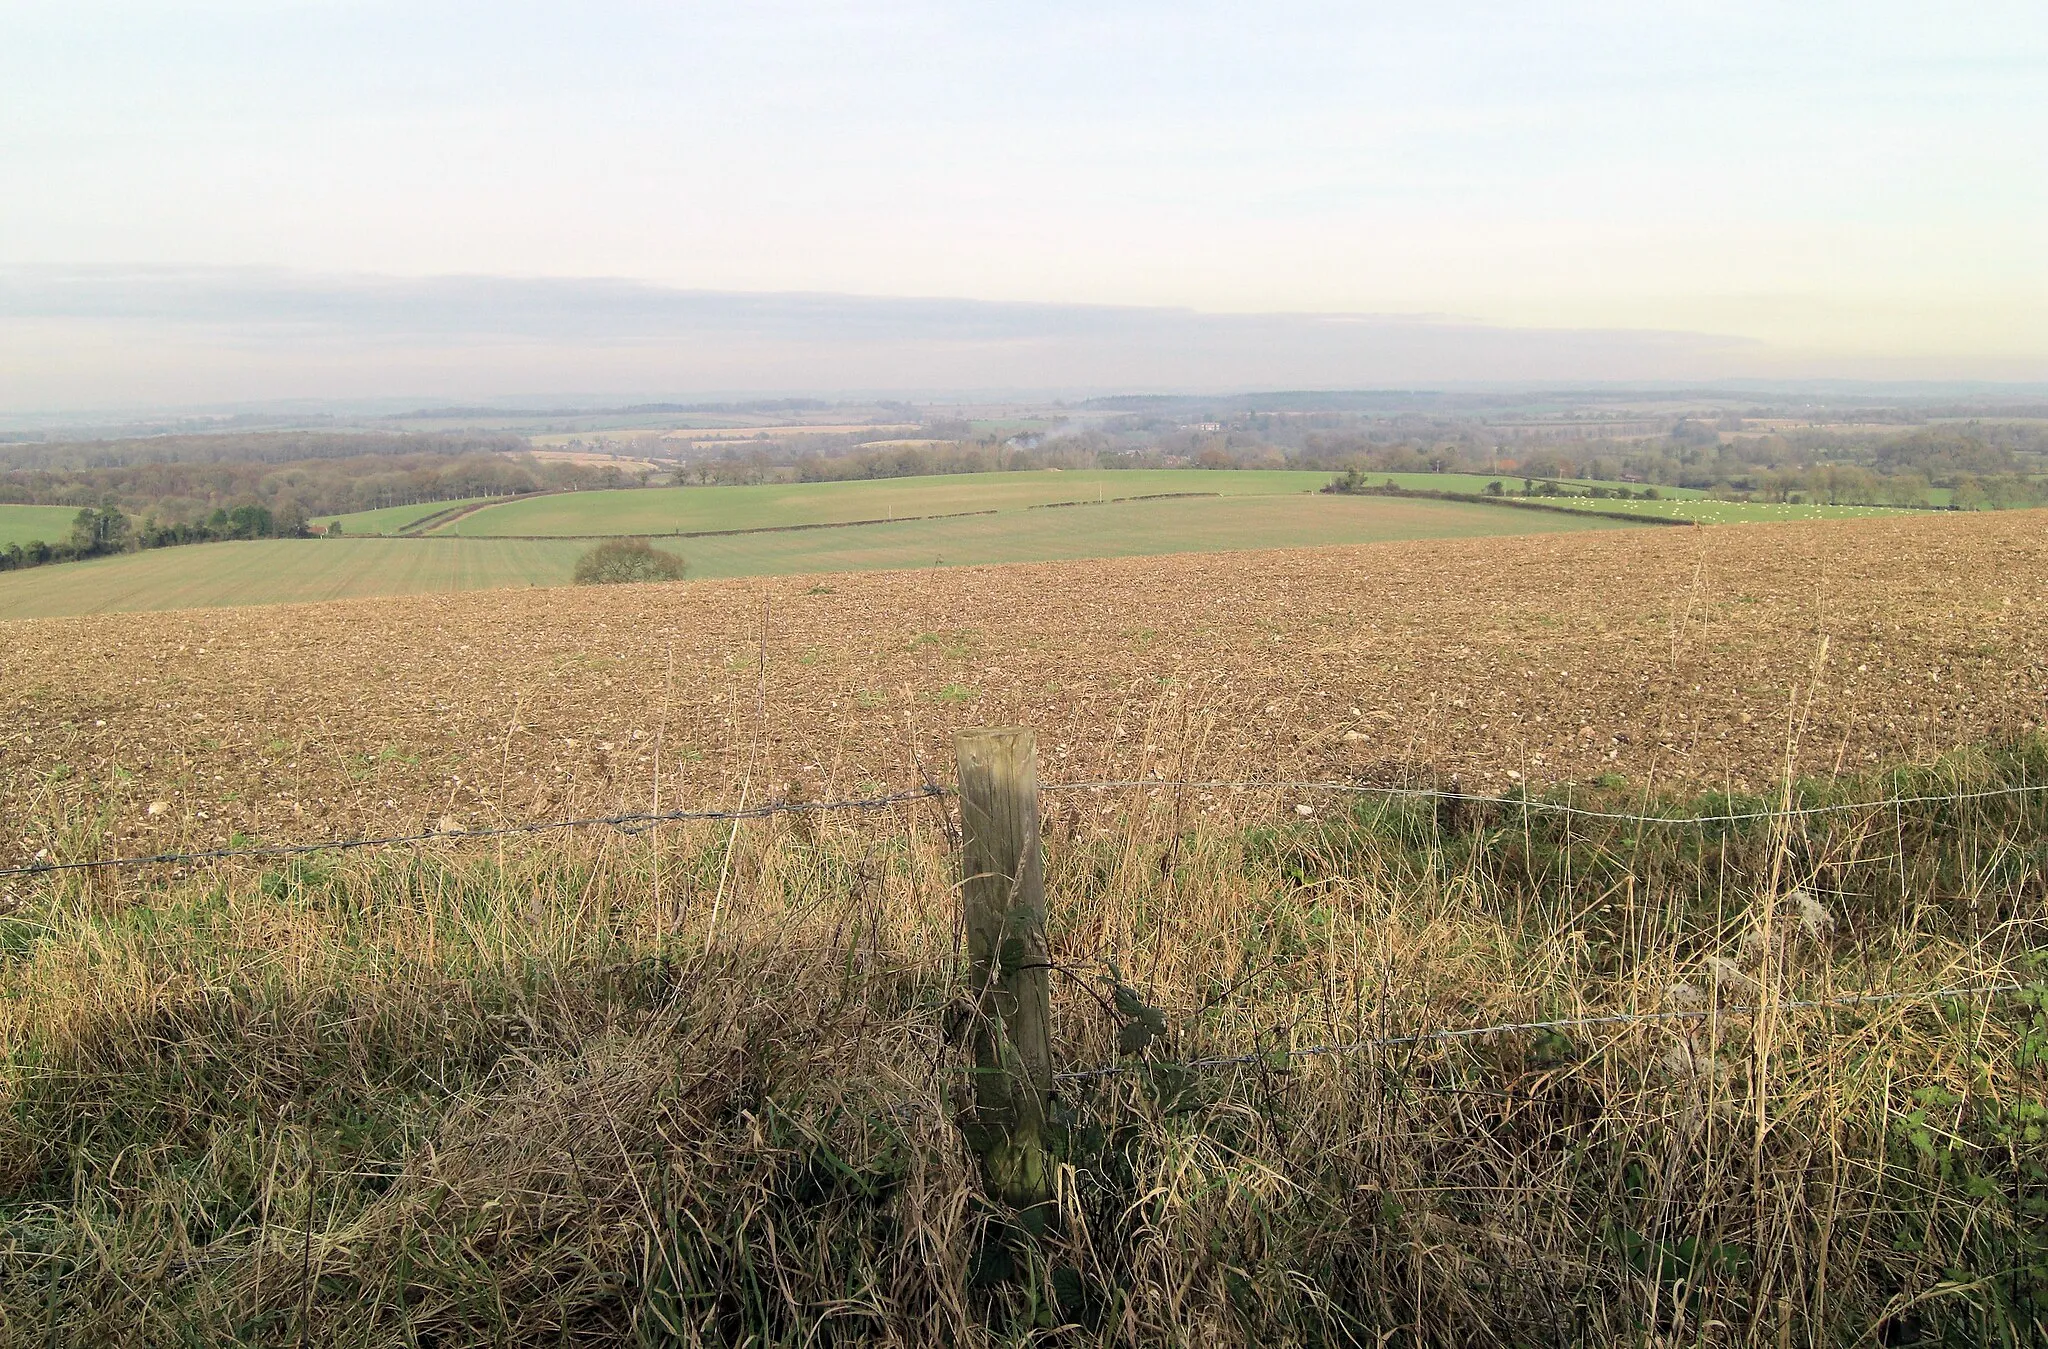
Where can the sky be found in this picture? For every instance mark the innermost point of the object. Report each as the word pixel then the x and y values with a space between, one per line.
pixel 1625 190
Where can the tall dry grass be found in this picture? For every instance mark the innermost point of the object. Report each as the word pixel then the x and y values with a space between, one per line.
pixel 465 1095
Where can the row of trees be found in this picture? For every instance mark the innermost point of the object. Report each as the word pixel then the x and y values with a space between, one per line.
pixel 820 459
pixel 190 491
pixel 1976 467
pixel 987 455
pixel 1356 482
pixel 245 447
pixel 106 529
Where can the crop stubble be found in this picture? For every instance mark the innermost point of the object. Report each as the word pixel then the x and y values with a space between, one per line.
pixel 1676 657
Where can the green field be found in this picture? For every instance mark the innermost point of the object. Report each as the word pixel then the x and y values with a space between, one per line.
pixel 394 519
pixel 1476 483
pixel 1708 512
pixel 672 510
pixel 680 510
pixel 27 524
pixel 281 571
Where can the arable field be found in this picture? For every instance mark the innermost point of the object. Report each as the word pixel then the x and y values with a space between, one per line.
pixel 1116 529
pixel 27 524
pixel 395 519
pixel 909 522
pixel 1709 512
pixel 698 509
pixel 690 509
pixel 1665 656
pixel 1333 1067
pixel 283 571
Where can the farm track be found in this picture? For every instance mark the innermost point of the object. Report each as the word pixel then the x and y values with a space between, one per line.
pixel 1673 657
pixel 427 524
pixel 719 533
pixel 449 518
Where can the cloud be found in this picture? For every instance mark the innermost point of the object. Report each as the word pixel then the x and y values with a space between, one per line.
pixel 102 336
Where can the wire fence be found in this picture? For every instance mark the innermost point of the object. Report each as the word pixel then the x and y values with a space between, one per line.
pixel 1268 1057
pixel 641 821
pixel 636 822
pixel 1536 805
pixel 632 822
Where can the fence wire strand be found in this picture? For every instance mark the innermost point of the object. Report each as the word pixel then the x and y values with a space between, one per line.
pixel 635 822
pixel 1266 1057
pixel 632 822
pixel 640 821
pixel 1536 805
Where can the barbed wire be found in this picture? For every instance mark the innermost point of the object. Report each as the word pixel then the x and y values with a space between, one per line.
pixel 640 821
pixel 631 822
pixel 1534 804
pixel 1559 1024
pixel 635 822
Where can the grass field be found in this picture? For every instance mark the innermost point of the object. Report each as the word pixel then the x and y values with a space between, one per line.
pixel 695 509
pixel 393 519
pixel 1708 512
pixel 27 524
pixel 688 509
pixel 281 571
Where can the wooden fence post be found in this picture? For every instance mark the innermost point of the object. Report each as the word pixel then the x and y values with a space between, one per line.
pixel 1003 895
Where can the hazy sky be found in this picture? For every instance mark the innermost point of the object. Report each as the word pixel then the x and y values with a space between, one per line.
pixel 1859 188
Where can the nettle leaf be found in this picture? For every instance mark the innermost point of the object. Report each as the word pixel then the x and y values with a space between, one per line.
pixel 1133 1036
pixel 1131 1006
pixel 1142 1022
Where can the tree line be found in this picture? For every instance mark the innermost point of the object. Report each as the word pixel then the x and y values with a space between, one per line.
pixel 189 492
pixel 99 531
pixel 1984 466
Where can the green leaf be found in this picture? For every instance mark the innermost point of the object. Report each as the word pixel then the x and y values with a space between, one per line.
pixel 1133 1036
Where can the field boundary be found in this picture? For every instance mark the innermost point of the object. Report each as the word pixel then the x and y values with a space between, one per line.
pixel 767 529
pixel 758 529
pixel 629 822
pixel 428 523
pixel 1520 504
pixel 948 515
pixel 1594 508
pixel 1276 1058
pixel 636 822
pixel 1154 496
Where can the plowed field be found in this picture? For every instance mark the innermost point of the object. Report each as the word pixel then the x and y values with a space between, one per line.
pixel 1667 656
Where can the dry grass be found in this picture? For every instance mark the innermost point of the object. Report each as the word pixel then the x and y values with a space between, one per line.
pixel 532 1097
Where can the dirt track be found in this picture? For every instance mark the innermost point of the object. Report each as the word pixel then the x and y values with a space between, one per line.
pixel 1673 655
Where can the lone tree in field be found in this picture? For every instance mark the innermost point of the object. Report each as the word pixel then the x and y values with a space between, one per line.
pixel 618 560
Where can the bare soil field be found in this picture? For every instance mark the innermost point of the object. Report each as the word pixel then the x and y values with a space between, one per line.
pixel 1668 657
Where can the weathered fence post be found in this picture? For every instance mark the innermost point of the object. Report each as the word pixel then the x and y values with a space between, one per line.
pixel 1003 894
